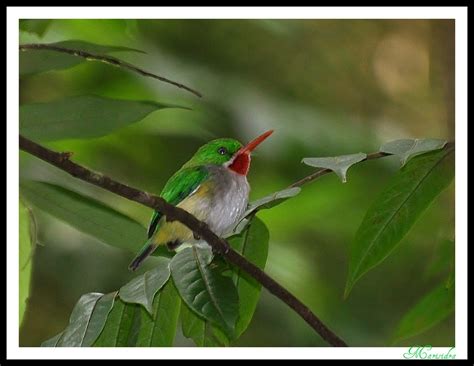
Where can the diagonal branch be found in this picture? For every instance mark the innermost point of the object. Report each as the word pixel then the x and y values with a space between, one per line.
pixel 63 162
pixel 107 59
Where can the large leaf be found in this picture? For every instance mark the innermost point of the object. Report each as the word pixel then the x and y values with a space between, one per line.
pixel 205 289
pixel 86 322
pixel 431 310
pixel 82 117
pixel 338 164
pixel 200 330
pixel 33 61
pixel 405 149
pixel 122 326
pixel 142 289
pixel 85 214
pixel 397 208
pixel 159 329
pixel 253 245
pixel 27 241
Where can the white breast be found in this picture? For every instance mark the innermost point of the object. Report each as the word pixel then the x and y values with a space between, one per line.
pixel 229 200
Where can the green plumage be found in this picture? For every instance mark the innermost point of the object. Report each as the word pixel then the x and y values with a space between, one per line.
pixel 184 182
pixel 178 187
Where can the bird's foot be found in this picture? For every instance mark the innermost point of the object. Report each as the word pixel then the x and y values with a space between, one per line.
pixel 173 245
pixel 222 250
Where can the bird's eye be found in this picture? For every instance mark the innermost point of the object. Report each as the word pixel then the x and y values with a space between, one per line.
pixel 222 150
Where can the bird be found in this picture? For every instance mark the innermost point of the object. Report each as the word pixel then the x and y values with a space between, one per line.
pixel 212 186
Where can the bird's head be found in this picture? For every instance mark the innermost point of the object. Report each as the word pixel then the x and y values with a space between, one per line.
pixel 227 152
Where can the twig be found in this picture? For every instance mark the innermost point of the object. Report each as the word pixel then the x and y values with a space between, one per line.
pixel 320 172
pixel 107 59
pixel 219 245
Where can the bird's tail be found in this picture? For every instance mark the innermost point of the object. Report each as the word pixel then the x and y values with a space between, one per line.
pixel 148 248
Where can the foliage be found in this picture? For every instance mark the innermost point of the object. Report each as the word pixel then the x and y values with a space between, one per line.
pixel 215 303
pixel 396 209
pixel 27 242
pixel 88 117
pixel 408 148
pixel 338 164
pixel 430 310
pixel 85 214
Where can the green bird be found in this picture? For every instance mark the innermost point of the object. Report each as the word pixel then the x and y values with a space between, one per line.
pixel 212 186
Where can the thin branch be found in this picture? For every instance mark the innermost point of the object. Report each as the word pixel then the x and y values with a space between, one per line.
pixel 219 245
pixel 320 172
pixel 107 59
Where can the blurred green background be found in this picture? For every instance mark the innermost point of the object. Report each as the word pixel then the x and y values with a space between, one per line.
pixel 327 87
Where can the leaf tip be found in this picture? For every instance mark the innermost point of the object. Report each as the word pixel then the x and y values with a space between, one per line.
pixel 403 161
pixel 347 290
pixel 149 308
pixel 351 280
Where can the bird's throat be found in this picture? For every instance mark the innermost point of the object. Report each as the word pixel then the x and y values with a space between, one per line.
pixel 241 164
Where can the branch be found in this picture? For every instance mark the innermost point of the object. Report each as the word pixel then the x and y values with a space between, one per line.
pixel 107 59
pixel 219 245
pixel 320 172
pixel 323 171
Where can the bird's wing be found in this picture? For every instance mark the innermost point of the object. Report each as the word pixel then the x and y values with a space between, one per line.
pixel 182 184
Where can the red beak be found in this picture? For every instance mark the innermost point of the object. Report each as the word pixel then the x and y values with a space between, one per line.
pixel 247 149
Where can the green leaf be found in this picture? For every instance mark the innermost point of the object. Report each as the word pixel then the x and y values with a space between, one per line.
pixel 37 26
pixel 122 326
pixel 405 149
pixel 85 214
pixel 216 338
pixel 429 311
pixel 396 209
pixel 86 322
pixel 34 61
pixel 272 200
pixel 82 117
pixel 266 202
pixel 338 164
pixel 193 326
pixel 52 342
pixel 159 329
pixel 200 330
pixel 204 289
pixel 142 289
pixel 253 245
pixel 27 242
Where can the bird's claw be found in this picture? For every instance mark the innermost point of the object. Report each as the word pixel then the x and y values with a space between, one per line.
pixel 223 250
